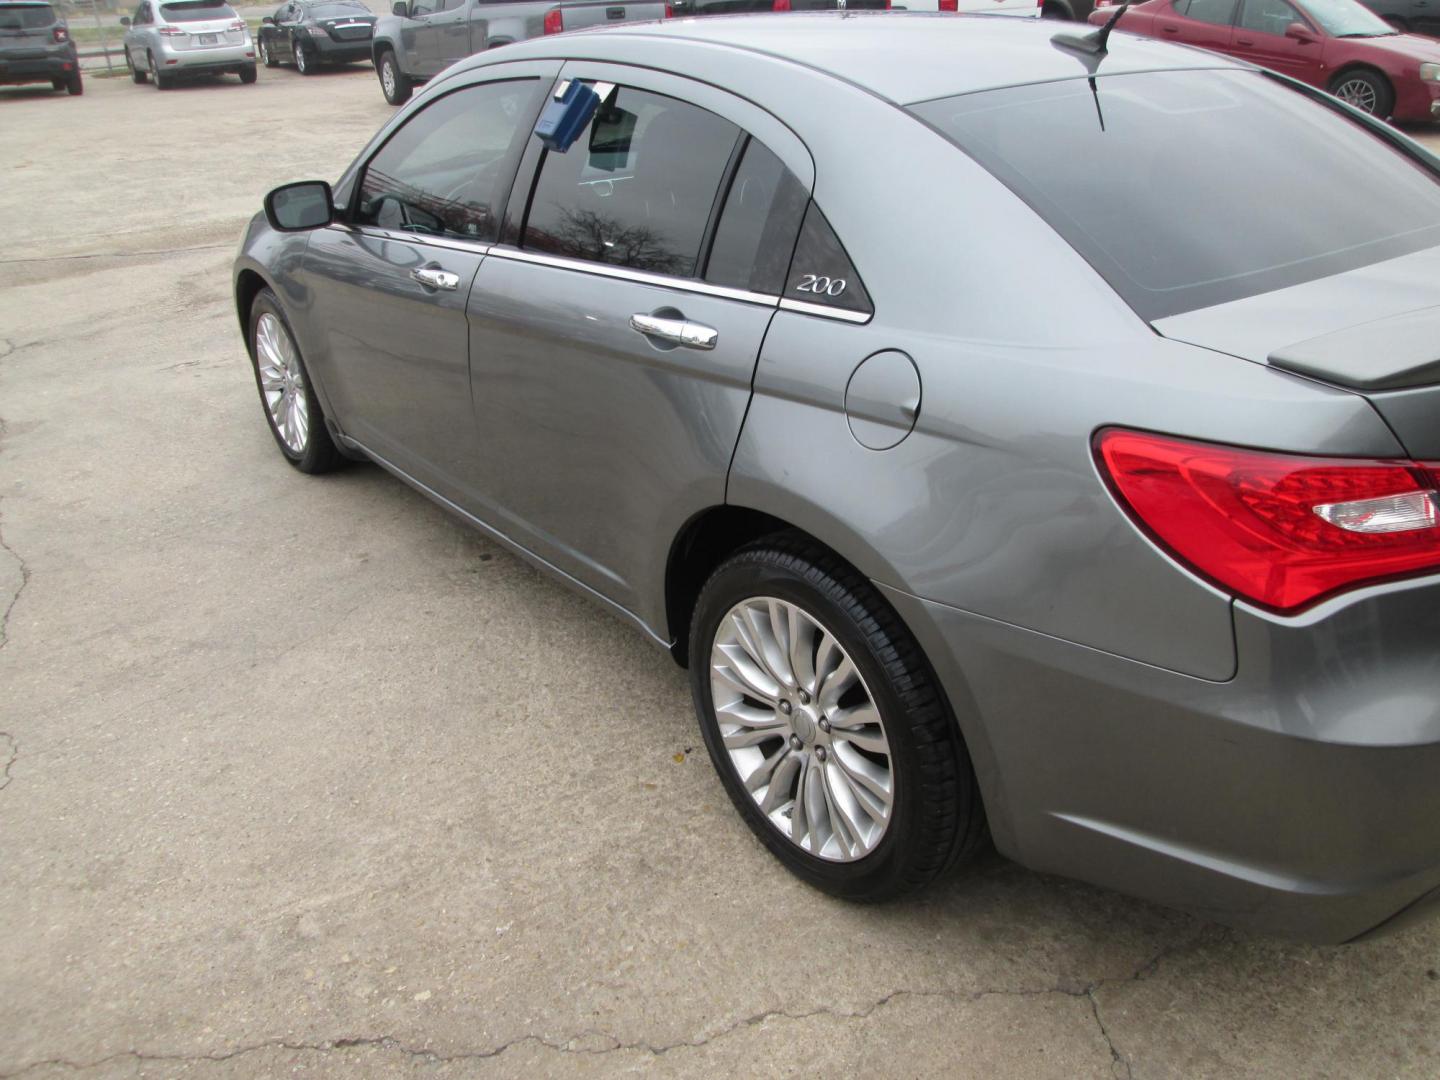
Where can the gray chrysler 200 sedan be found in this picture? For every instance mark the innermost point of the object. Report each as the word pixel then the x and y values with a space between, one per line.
pixel 1004 434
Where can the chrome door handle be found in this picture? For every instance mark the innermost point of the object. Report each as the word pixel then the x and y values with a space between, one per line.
pixel 436 279
pixel 692 335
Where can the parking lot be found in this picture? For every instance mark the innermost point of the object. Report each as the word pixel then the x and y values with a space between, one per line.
pixel 300 776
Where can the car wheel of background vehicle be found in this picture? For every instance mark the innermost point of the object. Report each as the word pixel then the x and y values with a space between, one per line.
pixel 1056 11
pixel 136 75
pixel 1368 91
pixel 291 406
pixel 75 86
pixel 248 74
pixel 823 720
pixel 304 59
pixel 266 58
pixel 57 84
pixel 162 82
pixel 393 83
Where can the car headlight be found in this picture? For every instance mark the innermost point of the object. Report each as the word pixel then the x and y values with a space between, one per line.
pixel 1430 72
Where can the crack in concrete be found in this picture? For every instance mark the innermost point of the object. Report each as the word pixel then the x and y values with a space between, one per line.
pixel 15 596
pixel 1119 1062
pixel 111 255
pixel 13 749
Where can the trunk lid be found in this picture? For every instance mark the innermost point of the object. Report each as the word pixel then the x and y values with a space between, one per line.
pixel 1374 330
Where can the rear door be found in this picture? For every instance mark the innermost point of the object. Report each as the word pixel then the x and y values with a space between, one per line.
pixel 614 333
pixel 1206 23
pixel 389 286
pixel 576 16
pixel 1260 38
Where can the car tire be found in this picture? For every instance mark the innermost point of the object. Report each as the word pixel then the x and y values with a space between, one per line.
pixel 74 85
pixel 162 82
pixel 136 75
pixel 304 59
pixel 1366 90
pixel 248 74
pixel 394 84
pixel 934 818
pixel 265 55
pixel 286 395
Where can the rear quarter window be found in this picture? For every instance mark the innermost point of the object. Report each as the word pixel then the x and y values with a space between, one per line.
pixel 1199 187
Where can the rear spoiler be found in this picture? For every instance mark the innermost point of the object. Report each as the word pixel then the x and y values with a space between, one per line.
pixel 1393 353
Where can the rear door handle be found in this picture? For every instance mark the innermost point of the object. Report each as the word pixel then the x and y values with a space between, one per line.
pixel 692 335
pixel 434 278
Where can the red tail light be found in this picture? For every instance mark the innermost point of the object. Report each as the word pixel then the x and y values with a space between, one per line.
pixel 1279 530
pixel 669 11
pixel 61 34
pixel 554 21
pixel 949 5
pixel 780 5
pixel 238 24
pixel 170 31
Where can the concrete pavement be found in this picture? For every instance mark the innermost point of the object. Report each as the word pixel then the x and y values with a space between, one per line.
pixel 298 776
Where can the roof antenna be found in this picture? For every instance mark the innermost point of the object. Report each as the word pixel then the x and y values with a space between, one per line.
pixel 1095 41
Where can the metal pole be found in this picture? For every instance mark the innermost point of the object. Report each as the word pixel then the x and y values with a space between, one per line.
pixel 104 41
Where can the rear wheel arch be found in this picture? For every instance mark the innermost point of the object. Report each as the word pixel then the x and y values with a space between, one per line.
pixel 1057 9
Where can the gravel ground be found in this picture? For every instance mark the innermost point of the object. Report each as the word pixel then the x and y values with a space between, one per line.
pixel 298 776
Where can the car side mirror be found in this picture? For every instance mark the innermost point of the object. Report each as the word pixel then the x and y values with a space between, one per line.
pixel 401 8
pixel 308 204
pixel 1301 33
pixel 268 20
pixel 124 20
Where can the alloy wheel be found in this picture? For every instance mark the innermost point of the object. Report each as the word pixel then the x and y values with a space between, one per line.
pixel 801 729
pixel 1359 93
pixel 300 60
pixel 264 53
pixel 387 77
pixel 282 382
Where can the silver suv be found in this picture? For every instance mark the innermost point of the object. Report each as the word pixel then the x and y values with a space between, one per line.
pixel 167 41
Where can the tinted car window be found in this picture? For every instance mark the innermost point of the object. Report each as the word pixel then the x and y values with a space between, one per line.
pixel 1219 12
pixel 26 18
pixel 445 171
pixel 636 189
pixel 1203 186
pixel 337 11
pixel 755 236
pixel 1268 16
pixel 197 11
pixel 821 272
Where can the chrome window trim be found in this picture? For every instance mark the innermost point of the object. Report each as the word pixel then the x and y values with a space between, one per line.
pixel 641 277
pixel 824 312
pixel 471 247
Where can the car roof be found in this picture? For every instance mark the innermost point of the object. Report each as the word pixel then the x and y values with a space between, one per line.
pixel 907 57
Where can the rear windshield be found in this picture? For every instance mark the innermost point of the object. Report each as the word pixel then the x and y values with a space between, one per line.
pixel 197 11
pixel 1186 189
pixel 28 17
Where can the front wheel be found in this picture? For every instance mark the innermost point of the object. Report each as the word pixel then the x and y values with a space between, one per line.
pixel 826 726
pixel 1368 91
pixel 393 82
pixel 291 406
pixel 266 57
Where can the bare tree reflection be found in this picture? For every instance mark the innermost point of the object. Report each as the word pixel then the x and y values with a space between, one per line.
pixel 590 235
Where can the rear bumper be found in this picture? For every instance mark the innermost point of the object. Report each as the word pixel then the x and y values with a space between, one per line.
pixel 1301 798
pixel 331 51
pixel 224 58
pixel 57 65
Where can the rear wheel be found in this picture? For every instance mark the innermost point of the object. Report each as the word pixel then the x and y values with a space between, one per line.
pixel 162 82
pixel 826 726
pixel 289 400
pixel 248 74
pixel 1368 91
pixel 57 84
pixel 393 82
pixel 304 59
pixel 74 85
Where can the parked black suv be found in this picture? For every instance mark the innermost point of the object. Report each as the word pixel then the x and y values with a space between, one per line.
pixel 35 47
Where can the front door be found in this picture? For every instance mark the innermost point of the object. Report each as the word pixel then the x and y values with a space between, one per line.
pixel 1260 38
pixel 613 344
pixel 452 33
pixel 390 285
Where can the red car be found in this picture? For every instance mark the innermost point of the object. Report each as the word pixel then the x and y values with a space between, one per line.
pixel 1336 45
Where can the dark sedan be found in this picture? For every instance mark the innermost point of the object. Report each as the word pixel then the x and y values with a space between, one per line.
pixel 309 33
pixel 1336 45
pixel 1411 16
